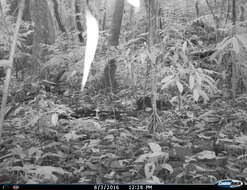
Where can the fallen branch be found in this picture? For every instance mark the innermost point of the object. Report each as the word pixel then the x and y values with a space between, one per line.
pixel 202 54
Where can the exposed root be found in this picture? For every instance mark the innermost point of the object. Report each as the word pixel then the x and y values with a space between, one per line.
pixel 155 123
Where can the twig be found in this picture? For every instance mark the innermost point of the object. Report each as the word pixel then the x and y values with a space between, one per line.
pixel 11 59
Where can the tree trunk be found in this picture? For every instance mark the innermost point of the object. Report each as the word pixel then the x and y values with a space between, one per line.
pixel 78 20
pixel 228 10
pixel 197 9
pixel 44 31
pixel 13 9
pixel 113 41
pixel 234 15
pixel 153 8
pixel 131 17
pixel 104 15
pixel 160 15
pixel 222 9
pixel 153 38
pixel 68 7
pixel 215 17
pixel 56 12
pixel 116 22
pixel 242 13
pixel 153 12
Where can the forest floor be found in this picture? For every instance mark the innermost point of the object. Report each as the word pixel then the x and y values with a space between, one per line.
pixel 200 144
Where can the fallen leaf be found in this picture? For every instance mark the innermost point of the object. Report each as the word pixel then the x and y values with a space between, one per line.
pixel 149 169
pixel 109 137
pixel 73 136
pixel 153 157
pixel 93 143
pixel 155 147
pixel 209 155
pixel 88 125
pixel 242 140
pixel 168 167
pixel 116 164
pixel 153 180
pixel 110 175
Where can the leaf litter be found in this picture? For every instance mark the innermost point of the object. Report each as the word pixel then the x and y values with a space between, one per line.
pixel 209 145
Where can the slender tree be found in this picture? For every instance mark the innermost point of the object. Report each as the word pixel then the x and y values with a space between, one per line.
pixel 242 13
pixel 197 9
pixel 78 20
pixel 132 65
pixel 153 10
pixel 222 9
pixel 228 10
pixel 234 14
pixel 13 9
pixel 104 15
pixel 56 12
pixel 110 67
pixel 10 62
pixel 116 22
pixel 215 17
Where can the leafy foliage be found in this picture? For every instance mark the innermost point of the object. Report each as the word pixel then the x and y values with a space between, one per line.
pixel 64 55
pixel 184 75
pixel 236 46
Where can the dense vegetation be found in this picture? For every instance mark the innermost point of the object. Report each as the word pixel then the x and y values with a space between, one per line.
pixel 165 100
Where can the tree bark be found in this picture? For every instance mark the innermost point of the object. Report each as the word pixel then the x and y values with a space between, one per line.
pixel 78 21
pixel 44 31
pixel 242 13
pixel 234 15
pixel 116 22
pixel 222 9
pixel 153 8
pixel 197 9
pixel 104 15
pixel 228 10
pixel 56 12
pixel 152 39
pixel 13 9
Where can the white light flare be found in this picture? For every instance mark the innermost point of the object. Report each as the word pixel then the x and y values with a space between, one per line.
pixel 135 3
pixel 91 45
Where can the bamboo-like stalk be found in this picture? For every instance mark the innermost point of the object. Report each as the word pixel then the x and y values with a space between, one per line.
pixel 154 125
pixel 11 59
